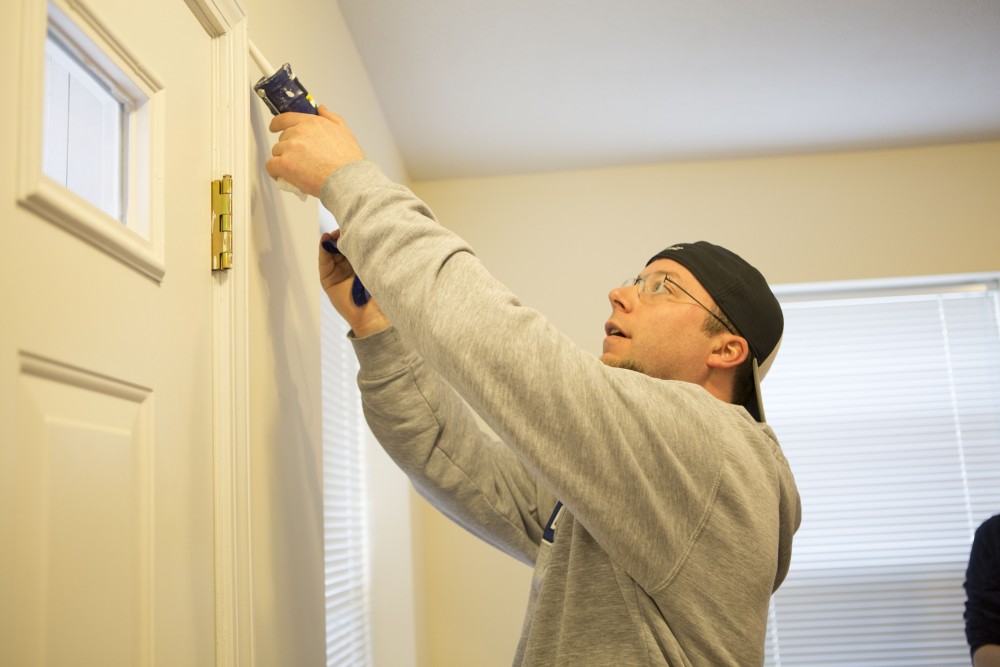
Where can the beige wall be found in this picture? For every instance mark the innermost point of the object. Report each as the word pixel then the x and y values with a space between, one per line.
pixel 286 438
pixel 561 241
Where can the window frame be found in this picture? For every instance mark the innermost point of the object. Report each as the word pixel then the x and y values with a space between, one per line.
pixel 140 241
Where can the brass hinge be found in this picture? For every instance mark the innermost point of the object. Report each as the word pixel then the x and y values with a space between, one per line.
pixel 222 224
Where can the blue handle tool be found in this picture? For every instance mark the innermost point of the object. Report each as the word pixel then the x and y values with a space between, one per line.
pixel 358 291
pixel 281 92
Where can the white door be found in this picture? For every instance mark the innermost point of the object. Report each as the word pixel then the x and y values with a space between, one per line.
pixel 106 424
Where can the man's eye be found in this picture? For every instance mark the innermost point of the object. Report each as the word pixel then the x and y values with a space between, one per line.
pixel 661 287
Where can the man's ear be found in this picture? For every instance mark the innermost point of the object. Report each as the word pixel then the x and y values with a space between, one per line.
pixel 730 351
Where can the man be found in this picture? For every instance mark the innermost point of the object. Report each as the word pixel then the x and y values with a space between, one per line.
pixel 982 588
pixel 657 511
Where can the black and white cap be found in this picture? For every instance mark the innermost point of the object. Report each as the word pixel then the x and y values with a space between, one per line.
pixel 743 295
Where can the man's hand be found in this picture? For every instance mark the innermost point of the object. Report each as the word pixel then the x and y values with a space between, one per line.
pixel 336 275
pixel 310 148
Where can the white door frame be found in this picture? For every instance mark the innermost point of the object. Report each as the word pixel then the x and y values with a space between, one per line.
pixel 225 21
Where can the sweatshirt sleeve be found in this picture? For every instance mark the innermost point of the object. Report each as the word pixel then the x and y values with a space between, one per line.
pixel 626 453
pixel 452 462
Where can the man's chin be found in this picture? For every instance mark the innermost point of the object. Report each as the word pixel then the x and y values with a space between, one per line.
pixel 620 362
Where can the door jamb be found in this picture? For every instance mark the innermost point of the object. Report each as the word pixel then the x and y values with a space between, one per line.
pixel 226 22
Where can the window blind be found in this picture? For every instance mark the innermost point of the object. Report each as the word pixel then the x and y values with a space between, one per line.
pixel 886 399
pixel 344 509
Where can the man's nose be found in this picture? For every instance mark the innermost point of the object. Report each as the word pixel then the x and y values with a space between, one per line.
pixel 623 298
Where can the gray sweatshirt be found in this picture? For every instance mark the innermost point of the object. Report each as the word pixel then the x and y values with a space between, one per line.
pixel 678 509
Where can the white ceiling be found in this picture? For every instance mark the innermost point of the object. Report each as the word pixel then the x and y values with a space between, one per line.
pixel 517 86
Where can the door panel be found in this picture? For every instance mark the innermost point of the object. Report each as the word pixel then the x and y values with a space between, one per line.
pixel 106 507
pixel 87 441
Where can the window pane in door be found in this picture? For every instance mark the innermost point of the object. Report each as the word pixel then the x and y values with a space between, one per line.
pixel 84 129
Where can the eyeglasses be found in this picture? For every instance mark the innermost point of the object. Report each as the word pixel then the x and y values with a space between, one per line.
pixel 659 284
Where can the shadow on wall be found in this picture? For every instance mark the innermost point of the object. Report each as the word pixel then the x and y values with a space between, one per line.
pixel 287 465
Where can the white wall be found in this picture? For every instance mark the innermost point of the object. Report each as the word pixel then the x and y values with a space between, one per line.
pixel 561 241
pixel 285 341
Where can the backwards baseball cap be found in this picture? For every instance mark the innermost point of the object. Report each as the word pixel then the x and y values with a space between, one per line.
pixel 741 292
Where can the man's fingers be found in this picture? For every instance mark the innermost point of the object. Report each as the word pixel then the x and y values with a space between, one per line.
pixel 283 121
pixel 329 254
pixel 277 149
pixel 329 115
pixel 272 167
